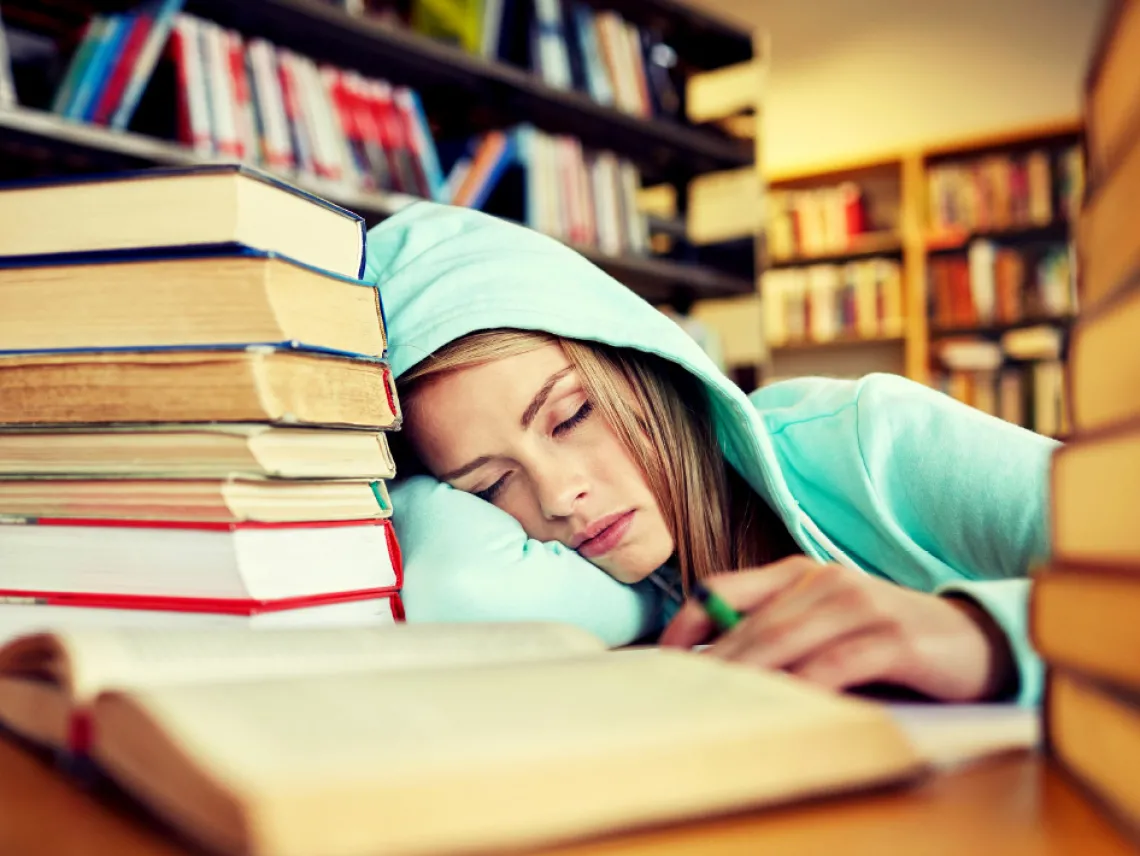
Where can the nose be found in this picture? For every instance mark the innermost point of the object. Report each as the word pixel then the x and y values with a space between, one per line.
pixel 559 486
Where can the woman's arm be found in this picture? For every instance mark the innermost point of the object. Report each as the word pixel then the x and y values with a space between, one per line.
pixel 973 490
pixel 931 493
pixel 465 560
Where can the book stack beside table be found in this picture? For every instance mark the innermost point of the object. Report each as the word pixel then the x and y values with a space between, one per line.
pixel 193 396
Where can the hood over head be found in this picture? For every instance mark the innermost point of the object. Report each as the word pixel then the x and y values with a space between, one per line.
pixel 444 272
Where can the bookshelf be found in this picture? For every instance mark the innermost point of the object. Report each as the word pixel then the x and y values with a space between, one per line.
pixel 900 222
pixel 460 92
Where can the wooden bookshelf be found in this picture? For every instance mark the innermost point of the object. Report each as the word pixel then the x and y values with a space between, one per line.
pixel 865 246
pixel 654 279
pixel 903 177
pixel 993 330
pixel 839 342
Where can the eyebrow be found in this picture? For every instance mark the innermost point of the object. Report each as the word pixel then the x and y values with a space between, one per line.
pixel 541 396
pixel 527 418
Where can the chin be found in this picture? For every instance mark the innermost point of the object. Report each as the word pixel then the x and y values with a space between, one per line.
pixel 637 566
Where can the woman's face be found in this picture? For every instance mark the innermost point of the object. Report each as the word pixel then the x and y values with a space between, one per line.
pixel 520 433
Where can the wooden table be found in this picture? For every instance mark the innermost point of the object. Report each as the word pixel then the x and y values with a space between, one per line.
pixel 1009 806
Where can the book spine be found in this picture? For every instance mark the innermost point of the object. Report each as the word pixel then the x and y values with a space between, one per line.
pixel 7 81
pixel 272 118
pixel 95 69
pixel 243 111
pixel 87 44
pixel 157 36
pixel 122 66
pixel 216 63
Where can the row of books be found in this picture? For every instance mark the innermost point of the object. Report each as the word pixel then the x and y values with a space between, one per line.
pixel 1032 396
pixel 194 433
pixel 569 44
pixel 265 105
pixel 1001 285
pixel 583 197
pixel 1085 602
pixel 819 221
pixel 1019 376
pixel 1005 191
pixel 821 303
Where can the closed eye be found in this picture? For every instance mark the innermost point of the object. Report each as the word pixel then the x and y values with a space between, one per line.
pixel 582 414
pixel 489 493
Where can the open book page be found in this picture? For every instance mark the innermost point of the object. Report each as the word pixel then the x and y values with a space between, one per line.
pixel 437 760
pixel 91 659
pixel 951 734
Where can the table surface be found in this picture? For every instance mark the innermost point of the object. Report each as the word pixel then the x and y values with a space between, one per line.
pixel 1010 805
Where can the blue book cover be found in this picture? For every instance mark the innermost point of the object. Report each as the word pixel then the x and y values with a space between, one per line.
pixel 597 75
pixel 506 158
pixel 92 38
pixel 98 69
pixel 425 146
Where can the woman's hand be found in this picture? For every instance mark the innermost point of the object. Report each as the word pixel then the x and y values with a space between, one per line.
pixel 842 628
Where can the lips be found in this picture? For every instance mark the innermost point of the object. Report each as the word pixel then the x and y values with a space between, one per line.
pixel 603 535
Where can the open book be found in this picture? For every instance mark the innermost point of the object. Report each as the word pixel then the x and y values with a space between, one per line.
pixel 430 739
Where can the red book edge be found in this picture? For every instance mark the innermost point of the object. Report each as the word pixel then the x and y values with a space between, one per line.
pixel 124 66
pixel 208 605
pixel 226 526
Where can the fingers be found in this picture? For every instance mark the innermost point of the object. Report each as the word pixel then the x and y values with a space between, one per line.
pixel 788 633
pixel 862 658
pixel 745 591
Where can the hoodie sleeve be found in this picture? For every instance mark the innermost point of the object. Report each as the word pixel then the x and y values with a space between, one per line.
pixel 970 489
pixel 465 560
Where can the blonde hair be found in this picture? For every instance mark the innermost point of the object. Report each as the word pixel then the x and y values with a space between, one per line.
pixel 715 519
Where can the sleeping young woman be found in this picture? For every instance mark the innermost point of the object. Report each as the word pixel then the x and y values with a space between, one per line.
pixel 582 460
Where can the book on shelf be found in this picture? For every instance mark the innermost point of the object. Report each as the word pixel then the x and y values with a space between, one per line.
pixel 7 80
pixel 199 209
pixel 824 302
pixel 197 566
pixel 272 107
pixel 260 384
pixel 125 301
pixel 977 372
pixel 992 284
pixel 586 198
pixel 724 206
pixel 997 192
pixel 816 221
pixel 416 715
pixel 206 451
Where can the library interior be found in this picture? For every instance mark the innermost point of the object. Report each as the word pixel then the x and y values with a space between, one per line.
pixel 874 254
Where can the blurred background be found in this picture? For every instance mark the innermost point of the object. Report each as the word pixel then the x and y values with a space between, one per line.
pixel 807 186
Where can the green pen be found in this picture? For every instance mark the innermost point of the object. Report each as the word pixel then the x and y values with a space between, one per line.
pixel 716 608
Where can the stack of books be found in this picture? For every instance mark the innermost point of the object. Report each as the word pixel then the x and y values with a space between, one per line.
pixel 1085 606
pixel 815 222
pixel 192 390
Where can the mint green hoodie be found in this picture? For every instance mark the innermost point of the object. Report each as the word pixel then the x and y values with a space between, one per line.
pixel 880 474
